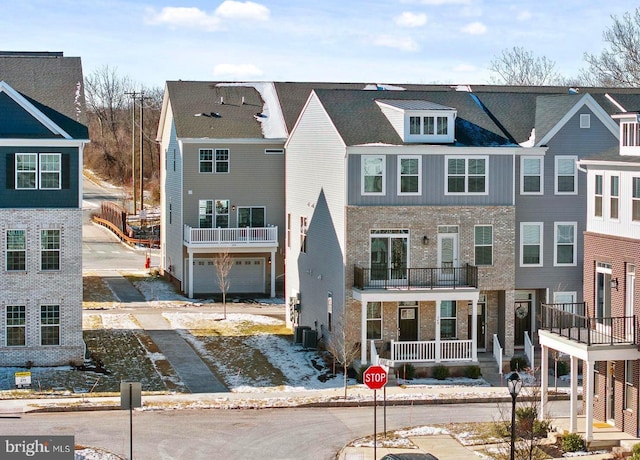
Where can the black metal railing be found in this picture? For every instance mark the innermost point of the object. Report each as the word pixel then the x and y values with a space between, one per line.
pixel 561 319
pixel 422 278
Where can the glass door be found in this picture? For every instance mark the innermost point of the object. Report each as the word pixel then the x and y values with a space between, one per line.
pixel 389 255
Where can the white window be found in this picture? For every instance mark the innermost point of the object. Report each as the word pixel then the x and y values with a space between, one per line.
pixel 50 171
pixel 628 385
pixel 531 244
pixel 483 240
pixel 566 301
pixel 303 234
pixel 409 175
pixel 222 213
pixel 205 213
pixel 466 175
pixel 566 181
pixel 597 204
pixel 251 216
pixel 531 177
pixel 565 235
pixel 373 175
pixel 614 200
pixel 50 324
pixel 16 250
pixel 585 120
pixel 213 160
pixel 448 320
pixel 15 326
pixel 205 160
pixel 635 200
pixel 38 171
pixel 374 320
pixel 222 161
pixel 26 171
pixel 49 250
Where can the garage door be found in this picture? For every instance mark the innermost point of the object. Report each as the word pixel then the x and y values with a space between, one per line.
pixel 246 275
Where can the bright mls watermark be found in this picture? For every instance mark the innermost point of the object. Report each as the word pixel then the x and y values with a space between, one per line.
pixel 37 447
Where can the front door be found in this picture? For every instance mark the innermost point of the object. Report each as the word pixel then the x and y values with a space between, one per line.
pixel 447 256
pixel 611 389
pixel 522 317
pixel 408 324
pixel 481 320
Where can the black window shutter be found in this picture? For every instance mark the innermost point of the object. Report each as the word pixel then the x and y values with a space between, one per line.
pixel 11 171
pixel 66 171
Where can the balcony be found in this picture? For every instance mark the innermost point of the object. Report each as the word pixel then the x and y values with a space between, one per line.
pixel 415 278
pixel 569 321
pixel 249 237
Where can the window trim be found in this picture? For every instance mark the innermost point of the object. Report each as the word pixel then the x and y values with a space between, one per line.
pixel 58 172
pixel 476 245
pixel 18 171
pixel 7 250
pixel 466 174
pixel 304 228
pixel 540 159
pixel 453 319
pixel 206 161
pixel 374 319
pixel 217 214
pixel 226 161
pixel 50 250
pixel 400 175
pixel 49 326
pixel 635 200
pixel 628 385
pixel 521 244
pixel 382 174
pixel 614 199
pixel 206 214
pixel 598 196
pixel 556 176
pixel 585 120
pixel 574 244
pixel 23 325
pixel 251 211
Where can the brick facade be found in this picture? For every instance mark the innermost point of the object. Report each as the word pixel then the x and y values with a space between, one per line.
pixel 33 287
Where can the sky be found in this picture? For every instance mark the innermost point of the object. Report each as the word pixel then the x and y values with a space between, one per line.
pixel 372 41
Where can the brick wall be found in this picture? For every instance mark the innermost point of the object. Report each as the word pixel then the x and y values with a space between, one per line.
pixel 33 288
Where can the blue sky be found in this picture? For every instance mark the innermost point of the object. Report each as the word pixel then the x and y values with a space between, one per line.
pixel 392 41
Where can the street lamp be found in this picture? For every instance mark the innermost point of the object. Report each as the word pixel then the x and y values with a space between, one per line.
pixel 514 384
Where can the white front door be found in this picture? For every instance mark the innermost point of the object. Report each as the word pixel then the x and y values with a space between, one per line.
pixel 447 255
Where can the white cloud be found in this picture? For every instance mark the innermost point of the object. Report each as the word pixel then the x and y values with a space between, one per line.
pixel 475 28
pixel 402 43
pixel 524 15
pixel 408 19
pixel 236 71
pixel 243 10
pixel 185 17
pixel 195 18
pixel 445 2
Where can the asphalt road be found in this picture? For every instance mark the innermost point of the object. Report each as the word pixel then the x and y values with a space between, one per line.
pixel 296 433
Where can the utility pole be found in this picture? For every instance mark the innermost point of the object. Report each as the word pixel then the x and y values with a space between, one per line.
pixel 133 148
pixel 141 148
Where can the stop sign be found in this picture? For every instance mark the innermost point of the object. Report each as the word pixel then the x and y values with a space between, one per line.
pixel 374 377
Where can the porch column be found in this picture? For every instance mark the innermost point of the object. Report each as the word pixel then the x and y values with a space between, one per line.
pixel 437 350
pixel 587 383
pixel 363 332
pixel 544 380
pixel 273 274
pixel 474 331
pixel 190 275
pixel 573 421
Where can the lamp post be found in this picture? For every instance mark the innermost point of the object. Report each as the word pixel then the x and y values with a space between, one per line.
pixel 514 384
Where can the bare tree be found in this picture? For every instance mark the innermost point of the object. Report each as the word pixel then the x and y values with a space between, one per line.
pixel 223 263
pixel 619 65
pixel 517 66
pixel 341 348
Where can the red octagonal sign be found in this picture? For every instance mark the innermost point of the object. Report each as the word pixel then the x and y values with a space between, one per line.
pixel 374 377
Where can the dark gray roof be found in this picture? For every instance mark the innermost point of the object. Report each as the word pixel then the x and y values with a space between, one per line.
pixel 359 119
pixel 53 83
pixel 551 109
pixel 414 105
pixel 204 109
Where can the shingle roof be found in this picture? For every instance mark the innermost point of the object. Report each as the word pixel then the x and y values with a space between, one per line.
pixel 412 104
pixel 51 82
pixel 359 120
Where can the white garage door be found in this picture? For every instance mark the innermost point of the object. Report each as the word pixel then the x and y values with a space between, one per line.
pixel 246 275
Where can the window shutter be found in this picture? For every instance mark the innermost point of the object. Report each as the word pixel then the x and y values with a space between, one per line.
pixel 11 176
pixel 66 171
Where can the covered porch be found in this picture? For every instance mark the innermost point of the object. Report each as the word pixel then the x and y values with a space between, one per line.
pixel 441 317
pixel 583 338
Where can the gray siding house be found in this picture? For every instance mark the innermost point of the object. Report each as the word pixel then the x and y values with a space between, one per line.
pixel 42 137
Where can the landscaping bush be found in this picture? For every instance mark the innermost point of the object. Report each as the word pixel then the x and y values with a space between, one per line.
pixel 361 370
pixel 635 451
pixel 562 368
pixel 527 422
pixel 407 371
pixel 573 442
pixel 519 363
pixel 473 372
pixel 440 372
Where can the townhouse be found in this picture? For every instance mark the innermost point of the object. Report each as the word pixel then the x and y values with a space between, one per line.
pixel 42 137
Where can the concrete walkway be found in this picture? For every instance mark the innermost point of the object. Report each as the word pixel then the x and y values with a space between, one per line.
pixel 192 371
pixel 123 289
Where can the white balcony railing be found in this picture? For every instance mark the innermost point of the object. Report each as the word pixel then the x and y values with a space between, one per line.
pixel 497 352
pixel 249 236
pixel 431 351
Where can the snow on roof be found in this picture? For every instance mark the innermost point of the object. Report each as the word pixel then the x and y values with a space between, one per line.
pixel 413 104
pixel 378 87
pixel 271 118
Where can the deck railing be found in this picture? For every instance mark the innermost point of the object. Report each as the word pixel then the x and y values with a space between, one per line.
pixel 231 236
pixel 497 352
pixel 430 351
pixel 557 319
pixel 424 278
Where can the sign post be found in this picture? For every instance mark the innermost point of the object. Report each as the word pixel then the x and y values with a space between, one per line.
pixel 375 377
pixel 130 397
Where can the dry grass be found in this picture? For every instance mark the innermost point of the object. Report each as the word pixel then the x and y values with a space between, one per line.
pixel 96 294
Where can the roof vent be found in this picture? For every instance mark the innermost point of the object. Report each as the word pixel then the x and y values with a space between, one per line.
pixel 242 100
pixel 573 90
pixel 222 100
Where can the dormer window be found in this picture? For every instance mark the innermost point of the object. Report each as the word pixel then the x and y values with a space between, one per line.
pixel 629 133
pixel 420 121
